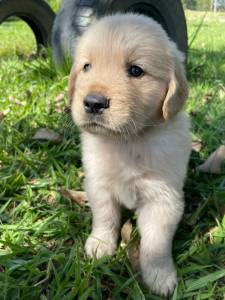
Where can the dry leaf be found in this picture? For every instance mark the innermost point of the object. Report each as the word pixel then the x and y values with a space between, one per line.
pixel 50 244
pixel 126 231
pixel 76 196
pixel 16 101
pixel 80 174
pixel 33 181
pixel 133 250
pixel 207 97
pixel 59 103
pixel 60 97
pixel 47 135
pixel 59 109
pixel 51 198
pixel 214 163
pixel 2 115
pixel 196 145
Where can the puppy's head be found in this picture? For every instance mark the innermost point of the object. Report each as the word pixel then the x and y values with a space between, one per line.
pixel 127 76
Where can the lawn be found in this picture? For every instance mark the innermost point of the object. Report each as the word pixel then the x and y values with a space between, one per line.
pixel 42 233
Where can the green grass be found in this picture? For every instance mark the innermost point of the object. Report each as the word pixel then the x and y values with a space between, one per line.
pixel 42 234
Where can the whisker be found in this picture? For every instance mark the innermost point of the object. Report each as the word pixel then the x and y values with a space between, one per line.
pixel 135 131
pixel 152 124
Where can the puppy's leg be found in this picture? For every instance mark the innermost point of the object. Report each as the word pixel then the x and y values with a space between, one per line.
pixel 157 219
pixel 106 220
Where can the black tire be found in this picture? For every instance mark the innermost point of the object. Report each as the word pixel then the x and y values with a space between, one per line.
pixel 76 15
pixel 36 13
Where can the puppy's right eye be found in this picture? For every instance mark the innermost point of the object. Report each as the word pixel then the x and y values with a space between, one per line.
pixel 87 67
pixel 135 71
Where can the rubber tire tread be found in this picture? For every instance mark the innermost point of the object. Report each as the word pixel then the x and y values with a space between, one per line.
pixel 36 13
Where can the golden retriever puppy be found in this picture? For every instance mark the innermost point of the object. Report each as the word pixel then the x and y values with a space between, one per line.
pixel 127 88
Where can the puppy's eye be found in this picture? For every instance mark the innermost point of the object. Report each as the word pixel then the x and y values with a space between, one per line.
pixel 135 71
pixel 87 67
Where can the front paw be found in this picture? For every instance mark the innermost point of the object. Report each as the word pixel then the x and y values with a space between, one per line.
pixel 161 278
pixel 98 246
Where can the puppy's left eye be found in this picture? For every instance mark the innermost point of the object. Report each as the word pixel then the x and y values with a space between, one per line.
pixel 135 71
pixel 87 67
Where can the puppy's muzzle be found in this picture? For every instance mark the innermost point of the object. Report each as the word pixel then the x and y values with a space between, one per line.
pixel 95 103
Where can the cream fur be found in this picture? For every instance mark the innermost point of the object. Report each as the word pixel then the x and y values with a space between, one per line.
pixel 138 157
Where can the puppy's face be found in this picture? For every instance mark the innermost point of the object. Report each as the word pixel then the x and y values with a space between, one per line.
pixel 127 77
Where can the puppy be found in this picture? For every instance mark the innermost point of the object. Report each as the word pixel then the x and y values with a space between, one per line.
pixel 127 88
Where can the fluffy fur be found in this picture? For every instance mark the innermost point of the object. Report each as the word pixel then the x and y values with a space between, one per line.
pixel 135 153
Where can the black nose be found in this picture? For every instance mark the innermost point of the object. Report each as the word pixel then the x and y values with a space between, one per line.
pixel 95 103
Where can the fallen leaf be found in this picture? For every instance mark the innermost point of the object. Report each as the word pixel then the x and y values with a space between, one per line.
pixel 80 174
pixel 47 135
pixel 16 101
pixel 133 249
pixel 2 115
pixel 59 103
pixel 76 196
pixel 60 97
pixel 59 109
pixel 197 145
pixel 51 198
pixel 207 97
pixel 126 231
pixel 214 163
pixel 50 244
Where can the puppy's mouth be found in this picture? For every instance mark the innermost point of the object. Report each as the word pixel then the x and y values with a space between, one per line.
pixel 98 128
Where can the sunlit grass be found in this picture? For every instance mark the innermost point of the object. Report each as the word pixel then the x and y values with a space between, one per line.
pixel 18 38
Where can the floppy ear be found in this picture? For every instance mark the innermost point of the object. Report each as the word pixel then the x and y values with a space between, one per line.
pixel 177 91
pixel 71 84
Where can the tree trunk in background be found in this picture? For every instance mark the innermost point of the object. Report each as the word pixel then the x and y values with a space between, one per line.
pixel 215 6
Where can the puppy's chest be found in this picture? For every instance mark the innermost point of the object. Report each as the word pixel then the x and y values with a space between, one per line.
pixel 123 178
pixel 119 170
